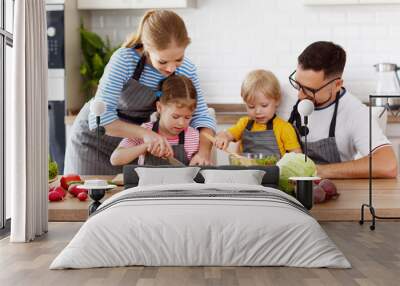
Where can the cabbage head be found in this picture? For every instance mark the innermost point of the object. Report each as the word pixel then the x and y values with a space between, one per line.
pixel 294 165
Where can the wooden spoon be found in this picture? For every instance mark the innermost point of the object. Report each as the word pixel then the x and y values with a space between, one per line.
pixel 212 139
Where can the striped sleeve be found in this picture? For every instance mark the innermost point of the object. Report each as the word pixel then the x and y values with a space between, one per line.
pixel 117 72
pixel 201 117
pixel 130 142
pixel 192 138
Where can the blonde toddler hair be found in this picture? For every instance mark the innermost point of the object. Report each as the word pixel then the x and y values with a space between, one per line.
pixel 260 81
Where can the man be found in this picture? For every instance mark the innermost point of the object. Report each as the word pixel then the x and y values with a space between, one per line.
pixel 338 129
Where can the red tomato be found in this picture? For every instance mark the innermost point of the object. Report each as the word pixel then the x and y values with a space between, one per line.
pixel 69 178
pixel 60 190
pixel 55 196
pixel 82 196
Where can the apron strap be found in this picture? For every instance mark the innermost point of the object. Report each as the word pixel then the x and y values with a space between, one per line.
pixel 182 138
pixel 155 126
pixel 140 65
pixel 295 116
pixel 250 124
pixel 270 125
pixel 332 127
pixel 181 135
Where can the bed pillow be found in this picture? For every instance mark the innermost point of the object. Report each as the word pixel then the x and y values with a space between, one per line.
pixel 163 176
pixel 248 177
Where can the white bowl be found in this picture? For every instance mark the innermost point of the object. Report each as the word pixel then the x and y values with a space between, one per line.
pixel 304 178
pixel 96 184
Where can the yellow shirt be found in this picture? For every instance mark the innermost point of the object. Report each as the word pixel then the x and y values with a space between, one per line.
pixel 284 133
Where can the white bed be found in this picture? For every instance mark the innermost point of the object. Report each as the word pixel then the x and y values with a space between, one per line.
pixel 222 224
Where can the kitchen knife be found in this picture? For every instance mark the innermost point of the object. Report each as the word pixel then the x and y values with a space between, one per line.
pixel 175 162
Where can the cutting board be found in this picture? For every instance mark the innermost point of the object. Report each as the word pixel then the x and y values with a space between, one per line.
pixel 118 180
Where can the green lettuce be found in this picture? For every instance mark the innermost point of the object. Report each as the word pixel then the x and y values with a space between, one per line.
pixel 294 165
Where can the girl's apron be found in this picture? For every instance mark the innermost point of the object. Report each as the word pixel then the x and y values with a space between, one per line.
pixel 179 151
pixel 135 105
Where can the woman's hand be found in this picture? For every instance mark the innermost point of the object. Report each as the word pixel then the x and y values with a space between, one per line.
pixel 157 145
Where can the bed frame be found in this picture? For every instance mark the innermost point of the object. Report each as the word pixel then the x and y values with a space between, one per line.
pixel 270 179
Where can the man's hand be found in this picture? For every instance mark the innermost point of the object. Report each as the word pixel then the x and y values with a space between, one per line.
pixel 384 165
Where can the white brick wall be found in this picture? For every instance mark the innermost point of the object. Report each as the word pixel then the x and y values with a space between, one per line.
pixel 232 37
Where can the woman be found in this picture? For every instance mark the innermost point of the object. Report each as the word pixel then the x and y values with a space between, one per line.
pixel 129 88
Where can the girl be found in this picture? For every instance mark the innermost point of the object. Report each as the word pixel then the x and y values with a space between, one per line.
pixel 175 109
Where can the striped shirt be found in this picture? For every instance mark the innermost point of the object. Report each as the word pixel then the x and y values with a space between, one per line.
pixel 191 145
pixel 120 69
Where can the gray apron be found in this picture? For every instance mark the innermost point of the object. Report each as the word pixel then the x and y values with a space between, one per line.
pixel 179 151
pixel 135 105
pixel 324 151
pixel 260 142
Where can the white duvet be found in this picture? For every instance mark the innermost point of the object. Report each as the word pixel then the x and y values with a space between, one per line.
pixel 183 231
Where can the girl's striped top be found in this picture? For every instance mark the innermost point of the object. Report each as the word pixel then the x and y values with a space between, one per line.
pixel 120 69
pixel 191 145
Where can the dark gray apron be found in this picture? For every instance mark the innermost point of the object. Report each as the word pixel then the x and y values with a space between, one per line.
pixel 260 142
pixel 324 151
pixel 135 105
pixel 179 151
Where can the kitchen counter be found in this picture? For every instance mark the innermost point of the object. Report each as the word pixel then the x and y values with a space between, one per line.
pixel 229 114
pixel 346 208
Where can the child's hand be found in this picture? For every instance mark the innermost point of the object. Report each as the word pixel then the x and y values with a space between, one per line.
pixel 157 145
pixel 221 141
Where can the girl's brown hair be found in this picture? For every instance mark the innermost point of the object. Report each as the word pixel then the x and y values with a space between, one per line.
pixel 179 90
pixel 158 29
pixel 260 81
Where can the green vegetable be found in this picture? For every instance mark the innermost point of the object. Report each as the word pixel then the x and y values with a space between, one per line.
pixel 294 165
pixel 268 160
pixel 242 161
pixel 53 169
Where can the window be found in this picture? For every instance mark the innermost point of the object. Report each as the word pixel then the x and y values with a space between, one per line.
pixel 6 43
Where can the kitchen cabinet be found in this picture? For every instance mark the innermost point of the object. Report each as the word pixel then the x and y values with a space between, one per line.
pixel 133 4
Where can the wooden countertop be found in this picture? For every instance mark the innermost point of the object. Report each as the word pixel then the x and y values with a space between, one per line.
pixel 353 193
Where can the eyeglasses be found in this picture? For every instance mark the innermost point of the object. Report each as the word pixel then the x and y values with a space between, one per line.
pixel 308 91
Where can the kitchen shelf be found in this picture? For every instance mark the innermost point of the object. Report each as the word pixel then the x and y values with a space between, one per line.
pixel 347 2
pixel 134 4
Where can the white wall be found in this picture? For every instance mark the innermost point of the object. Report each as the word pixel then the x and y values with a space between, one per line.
pixel 232 37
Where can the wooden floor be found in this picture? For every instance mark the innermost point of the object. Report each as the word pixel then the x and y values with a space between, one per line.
pixel 345 208
pixel 374 255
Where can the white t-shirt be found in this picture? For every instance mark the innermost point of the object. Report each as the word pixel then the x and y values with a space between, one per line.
pixel 352 127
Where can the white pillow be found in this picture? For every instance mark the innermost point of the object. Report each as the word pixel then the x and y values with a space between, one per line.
pixel 249 177
pixel 163 176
